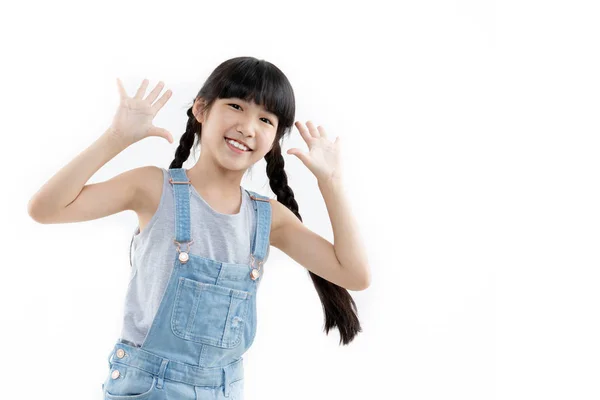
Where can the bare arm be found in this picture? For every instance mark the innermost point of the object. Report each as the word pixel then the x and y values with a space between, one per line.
pixel 345 261
pixel 67 184
pixel 64 198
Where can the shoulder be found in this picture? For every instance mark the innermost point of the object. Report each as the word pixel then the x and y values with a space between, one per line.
pixel 150 171
pixel 281 217
pixel 149 184
pixel 151 179
pixel 275 213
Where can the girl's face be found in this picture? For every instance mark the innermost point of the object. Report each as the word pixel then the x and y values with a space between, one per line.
pixel 236 119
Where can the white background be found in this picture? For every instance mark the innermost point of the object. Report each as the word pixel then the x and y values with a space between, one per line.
pixel 470 133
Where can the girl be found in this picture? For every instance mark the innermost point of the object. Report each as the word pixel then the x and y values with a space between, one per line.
pixel 202 240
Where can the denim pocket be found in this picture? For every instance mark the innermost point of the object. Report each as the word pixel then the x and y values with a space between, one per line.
pixel 209 314
pixel 129 383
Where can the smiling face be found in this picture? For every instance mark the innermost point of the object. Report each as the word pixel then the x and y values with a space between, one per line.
pixel 241 121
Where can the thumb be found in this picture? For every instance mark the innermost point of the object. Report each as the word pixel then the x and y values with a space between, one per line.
pixel 163 133
pixel 298 153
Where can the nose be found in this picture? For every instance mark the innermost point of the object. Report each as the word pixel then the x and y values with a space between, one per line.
pixel 246 128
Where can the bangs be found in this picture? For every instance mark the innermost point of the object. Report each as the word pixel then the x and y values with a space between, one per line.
pixel 262 83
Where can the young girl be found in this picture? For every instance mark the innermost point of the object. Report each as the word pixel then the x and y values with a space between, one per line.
pixel 203 240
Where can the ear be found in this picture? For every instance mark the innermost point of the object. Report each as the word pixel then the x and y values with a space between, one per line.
pixel 198 109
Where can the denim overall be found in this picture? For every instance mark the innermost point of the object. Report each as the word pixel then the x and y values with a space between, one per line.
pixel 205 322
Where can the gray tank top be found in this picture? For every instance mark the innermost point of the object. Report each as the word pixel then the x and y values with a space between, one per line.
pixel 221 237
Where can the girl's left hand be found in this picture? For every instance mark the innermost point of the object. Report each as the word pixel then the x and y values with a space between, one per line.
pixel 323 157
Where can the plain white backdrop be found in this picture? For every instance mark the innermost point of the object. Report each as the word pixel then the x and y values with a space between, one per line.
pixel 470 133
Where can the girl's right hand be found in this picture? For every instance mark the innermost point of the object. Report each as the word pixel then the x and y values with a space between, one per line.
pixel 133 120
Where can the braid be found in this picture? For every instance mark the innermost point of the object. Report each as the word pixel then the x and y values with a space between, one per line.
pixel 338 305
pixel 183 150
pixel 278 179
pixel 186 141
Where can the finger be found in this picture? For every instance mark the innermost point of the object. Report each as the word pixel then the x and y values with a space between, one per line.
pixel 140 92
pixel 304 132
pixel 154 93
pixel 298 153
pixel 122 92
pixel 313 131
pixel 163 133
pixel 167 135
pixel 161 102
pixel 322 131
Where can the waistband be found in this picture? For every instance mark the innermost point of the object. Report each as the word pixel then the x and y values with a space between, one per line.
pixel 165 368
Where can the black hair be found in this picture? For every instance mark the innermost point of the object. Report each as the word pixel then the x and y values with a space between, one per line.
pixel 260 81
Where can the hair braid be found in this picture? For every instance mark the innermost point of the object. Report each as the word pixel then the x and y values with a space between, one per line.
pixel 182 153
pixel 338 306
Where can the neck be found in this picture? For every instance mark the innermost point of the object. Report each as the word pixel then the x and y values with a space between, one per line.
pixel 211 180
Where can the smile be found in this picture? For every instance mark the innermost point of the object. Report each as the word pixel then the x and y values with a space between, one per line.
pixel 236 147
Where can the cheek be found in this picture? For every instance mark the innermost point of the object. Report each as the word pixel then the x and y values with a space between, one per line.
pixel 270 140
pixel 267 145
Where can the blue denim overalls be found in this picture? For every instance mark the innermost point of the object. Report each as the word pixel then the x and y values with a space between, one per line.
pixel 205 322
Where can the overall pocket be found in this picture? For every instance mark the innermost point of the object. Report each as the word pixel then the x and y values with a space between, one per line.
pixel 128 383
pixel 209 314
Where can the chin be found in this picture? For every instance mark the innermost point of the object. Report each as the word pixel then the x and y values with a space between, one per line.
pixel 233 165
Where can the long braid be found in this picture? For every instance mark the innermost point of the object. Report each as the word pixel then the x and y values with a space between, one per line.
pixel 339 307
pixel 186 141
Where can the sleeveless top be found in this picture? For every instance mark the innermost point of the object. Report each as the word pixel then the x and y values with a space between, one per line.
pixel 222 237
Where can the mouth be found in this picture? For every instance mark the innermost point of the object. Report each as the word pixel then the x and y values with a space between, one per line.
pixel 234 148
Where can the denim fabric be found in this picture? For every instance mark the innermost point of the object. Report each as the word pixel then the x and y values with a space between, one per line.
pixel 205 322
pixel 229 240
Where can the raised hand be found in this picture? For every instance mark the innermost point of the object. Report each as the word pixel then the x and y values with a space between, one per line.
pixel 323 157
pixel 133 120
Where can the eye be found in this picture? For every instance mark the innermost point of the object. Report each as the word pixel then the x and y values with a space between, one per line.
pixel 237 105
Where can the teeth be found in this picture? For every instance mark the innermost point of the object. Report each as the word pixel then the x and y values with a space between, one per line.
pixel 236 144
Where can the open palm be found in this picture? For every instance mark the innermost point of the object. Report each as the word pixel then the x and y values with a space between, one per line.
pixel 133 119
pixel 323 156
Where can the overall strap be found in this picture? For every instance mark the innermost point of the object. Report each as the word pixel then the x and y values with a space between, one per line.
pixel 181 190
pixel 260 241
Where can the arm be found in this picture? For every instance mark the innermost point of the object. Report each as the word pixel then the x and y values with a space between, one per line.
pixel 64 198
pixel 344 263
pixel 348 246
pixel 66 185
